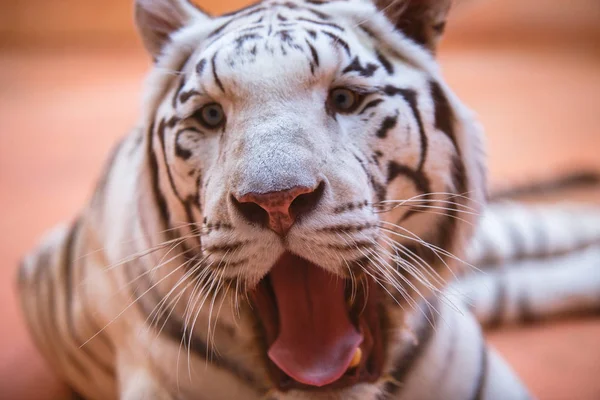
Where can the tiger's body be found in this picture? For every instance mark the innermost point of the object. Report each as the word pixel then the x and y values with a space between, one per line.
pixel 320 134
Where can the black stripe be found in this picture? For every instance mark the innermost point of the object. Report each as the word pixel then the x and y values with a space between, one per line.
pixel 180 151
pixel 388 124
pixel 38 315
pixel 314 53
pixel 389 68
pixel 410 96
pixel 516 239
pixel 173 328
pixel 240 40
pixel 54 330
pixel 483 373
pixel 526 312
pixel 200 66
pixel 355 66
pixel 338 41
pixel 372 103
pixel 159 198
pixel 68 277
pixel 444 117
pixel 380 190
pixel 414 350
pixel 185 96
pixel 179 87
pixel 219 29
pixel 214 71
pixel 318 14
pixel 500 300
pixel 328 24
pixel 161 135
pixel 421 181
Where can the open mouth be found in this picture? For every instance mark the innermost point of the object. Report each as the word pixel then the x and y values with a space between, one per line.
pixel 319 333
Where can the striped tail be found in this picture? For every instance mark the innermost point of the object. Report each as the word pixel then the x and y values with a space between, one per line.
pixel 535 261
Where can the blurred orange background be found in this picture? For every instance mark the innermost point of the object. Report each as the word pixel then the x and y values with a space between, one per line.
pixel 70 78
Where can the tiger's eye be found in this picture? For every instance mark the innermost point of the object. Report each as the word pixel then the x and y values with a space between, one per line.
pixel 343 100
pixel 211 115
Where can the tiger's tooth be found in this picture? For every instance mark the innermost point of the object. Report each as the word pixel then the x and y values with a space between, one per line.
pixel 356 358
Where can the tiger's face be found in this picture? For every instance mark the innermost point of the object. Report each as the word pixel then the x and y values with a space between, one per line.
pixel 313 156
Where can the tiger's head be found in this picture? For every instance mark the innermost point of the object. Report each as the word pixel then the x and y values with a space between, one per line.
pixel 311 155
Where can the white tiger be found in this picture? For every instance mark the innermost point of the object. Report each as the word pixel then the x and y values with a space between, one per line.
pixel 286 218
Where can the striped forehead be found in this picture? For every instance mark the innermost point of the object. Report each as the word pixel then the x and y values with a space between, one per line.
pixel 275 15
pixel 284 37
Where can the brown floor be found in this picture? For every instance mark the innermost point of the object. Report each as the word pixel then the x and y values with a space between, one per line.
pixel 60 113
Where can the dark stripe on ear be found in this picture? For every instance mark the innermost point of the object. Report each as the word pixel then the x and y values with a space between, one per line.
pixel 483 373
pixel 414 350
pixel 410 96
pixel 388 124
pixel 214 71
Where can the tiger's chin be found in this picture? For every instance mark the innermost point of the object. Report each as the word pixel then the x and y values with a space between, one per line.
pixel 321 332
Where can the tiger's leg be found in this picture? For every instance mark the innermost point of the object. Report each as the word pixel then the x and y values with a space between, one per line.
pixel 64 329
pixel 448 358
pixel 536 262
pixel 535 289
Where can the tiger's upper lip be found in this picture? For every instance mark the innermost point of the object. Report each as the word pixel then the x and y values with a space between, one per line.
pixel 363 310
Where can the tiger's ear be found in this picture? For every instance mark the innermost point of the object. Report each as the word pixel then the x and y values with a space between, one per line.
pixel 423 21
pixel 156 20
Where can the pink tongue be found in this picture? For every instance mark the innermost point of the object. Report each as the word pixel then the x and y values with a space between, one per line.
pixel 316 339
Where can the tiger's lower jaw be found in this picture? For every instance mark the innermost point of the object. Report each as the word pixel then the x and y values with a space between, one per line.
pixel 319 332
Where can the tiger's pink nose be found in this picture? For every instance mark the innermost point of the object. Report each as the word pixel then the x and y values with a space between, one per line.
pixel 278 210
